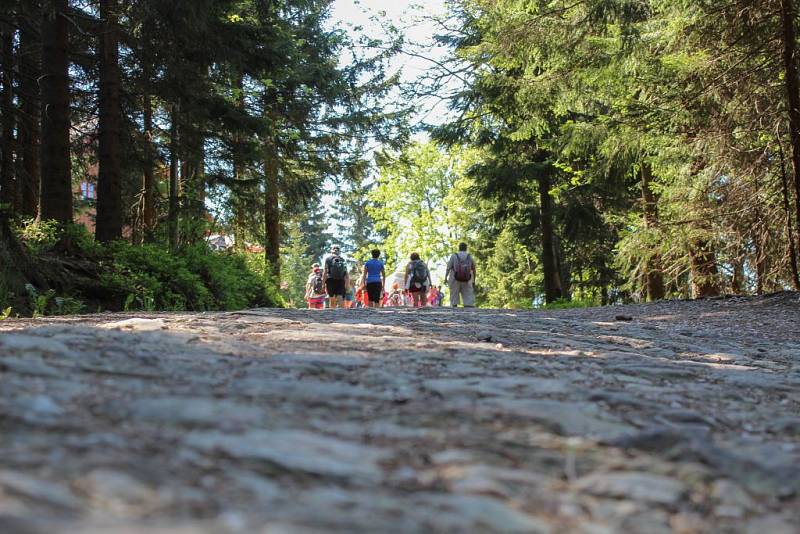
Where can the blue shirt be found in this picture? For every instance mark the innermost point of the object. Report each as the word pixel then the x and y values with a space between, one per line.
pixel 373 268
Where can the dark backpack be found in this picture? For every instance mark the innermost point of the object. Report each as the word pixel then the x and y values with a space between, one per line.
pixel 338 268
pixel 463 269
pixel 318 285
pixel 419 273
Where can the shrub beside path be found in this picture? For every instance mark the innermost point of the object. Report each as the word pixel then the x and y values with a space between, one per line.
pixel 669 417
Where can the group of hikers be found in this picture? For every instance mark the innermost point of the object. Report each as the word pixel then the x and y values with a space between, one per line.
pixel 332 284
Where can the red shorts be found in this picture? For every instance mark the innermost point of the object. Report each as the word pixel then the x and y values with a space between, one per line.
pixel 316 304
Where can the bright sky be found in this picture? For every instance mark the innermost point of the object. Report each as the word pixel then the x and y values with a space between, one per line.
pixel 410 17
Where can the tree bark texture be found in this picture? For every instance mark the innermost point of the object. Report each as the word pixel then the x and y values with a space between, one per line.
pixel 29 61
pixel 272 221
pixel 703 269
pixel 56 185
pixel 552 280
pixel 8 184
pixel 149 185
pixel 654 279
pixel 239 215
pixel 172 215
pixel 789 229
pixel 192 178
pixel 109 180
pixel 792 83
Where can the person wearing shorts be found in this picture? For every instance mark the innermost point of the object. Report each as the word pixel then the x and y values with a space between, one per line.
pixel 349 296
pixel 418 288
pixel 375 276
pixel 335 287
pixel 314 297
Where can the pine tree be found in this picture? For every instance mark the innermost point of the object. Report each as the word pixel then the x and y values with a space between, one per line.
pixel 109 181
pixel 29 61
pixel 56 184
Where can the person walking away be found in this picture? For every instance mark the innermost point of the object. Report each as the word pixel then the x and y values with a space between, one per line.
pixel 335 276
pixel 375 276
pixel 433 296
pixel 396 296
pixel 460 276
pixel 361 293
pixel 440 296
pixel 419 280
pixel 315 289
pixel 349 294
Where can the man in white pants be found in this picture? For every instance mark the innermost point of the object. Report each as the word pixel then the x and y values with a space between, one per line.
pixel 460 276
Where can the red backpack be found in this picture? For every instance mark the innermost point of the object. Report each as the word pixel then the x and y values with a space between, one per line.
pixel 463 269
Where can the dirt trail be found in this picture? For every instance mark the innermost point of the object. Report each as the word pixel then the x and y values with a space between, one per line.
pixel 685 418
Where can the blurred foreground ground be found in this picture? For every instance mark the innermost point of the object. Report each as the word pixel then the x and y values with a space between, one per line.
pixel 685 418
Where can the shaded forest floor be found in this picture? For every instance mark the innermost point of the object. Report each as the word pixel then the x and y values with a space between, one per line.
pixel 685 418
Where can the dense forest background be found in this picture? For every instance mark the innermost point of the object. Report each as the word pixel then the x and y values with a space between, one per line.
pixel 202 154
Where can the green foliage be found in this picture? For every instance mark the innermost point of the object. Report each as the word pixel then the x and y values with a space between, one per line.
pixel 38 302
pixel 296 265
pixel 150 272
pixel 232 284
pixel 81 240
pixel 38 235
pixel 269 294
pixel 510 274
pixel 590 94
pixel 194 279
pixel 5 314
pixel 149 277
pixel 48 303
pixel 418 203
pixel 41 236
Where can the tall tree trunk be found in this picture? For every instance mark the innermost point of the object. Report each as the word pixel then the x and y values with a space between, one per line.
pixel 239 215
pixel 8 185
pixel 149 184
pixel 29 120
pixel 654 279
pixel 272 221
pixel 704 269
pixel 738 278
pixel 792 83
pixel 552 278
pixel 760 258
pixel 193 179
pixel 56 188
pixel 172 215
pixel 109 180
pixel 789 230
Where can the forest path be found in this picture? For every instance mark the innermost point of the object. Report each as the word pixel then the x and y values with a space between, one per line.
pixel 685 418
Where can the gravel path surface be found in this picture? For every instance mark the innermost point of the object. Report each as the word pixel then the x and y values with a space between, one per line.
pixel 671 417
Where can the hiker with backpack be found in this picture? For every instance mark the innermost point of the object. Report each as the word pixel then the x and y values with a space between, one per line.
pixel 336 277
pixel 315 289
pixel 375 278
pixel 395 298
pixel 460 276
pixel 418 279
